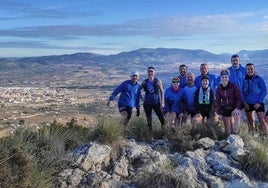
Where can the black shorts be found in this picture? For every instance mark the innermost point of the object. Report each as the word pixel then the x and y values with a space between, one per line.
pixel 227 110
pixel 260 109
pixel 266 113
pixel 123 107
pixel 191 112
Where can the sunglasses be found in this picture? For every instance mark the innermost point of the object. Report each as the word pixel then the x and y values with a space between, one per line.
pixel 175 82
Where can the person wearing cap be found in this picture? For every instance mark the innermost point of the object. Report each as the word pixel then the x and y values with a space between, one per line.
pixel 182 76
pixel 154 98
pixel 129 97
pixel 173 106
pixel 229 100
pixel 237 71
pixel 188 97
pixel 253 94
pixel 204 100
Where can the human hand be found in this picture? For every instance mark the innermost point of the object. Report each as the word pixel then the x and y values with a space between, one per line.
pixel 236 112
pixel 138 113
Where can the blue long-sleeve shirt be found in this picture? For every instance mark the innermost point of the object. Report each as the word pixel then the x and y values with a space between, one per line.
pixel 130 94
pixel 173 100
pixel 253 90
pixel 183 81
pixel 188 98
pixel 237 76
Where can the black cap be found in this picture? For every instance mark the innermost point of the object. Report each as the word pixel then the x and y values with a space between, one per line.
pixel 205 77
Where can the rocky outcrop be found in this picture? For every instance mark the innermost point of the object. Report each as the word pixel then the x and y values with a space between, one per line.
pixel 212 164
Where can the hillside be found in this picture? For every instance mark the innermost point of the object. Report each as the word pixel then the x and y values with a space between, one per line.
pixel 41 89
pixel 44 70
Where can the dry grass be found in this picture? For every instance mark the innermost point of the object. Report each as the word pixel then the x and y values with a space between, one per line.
pixel 33 157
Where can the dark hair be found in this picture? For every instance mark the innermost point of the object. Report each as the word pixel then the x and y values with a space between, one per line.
pixel 249 64
pixel 183 65
pixel 203 64
pixel 205 77
pixel 151 68
pixel 235 56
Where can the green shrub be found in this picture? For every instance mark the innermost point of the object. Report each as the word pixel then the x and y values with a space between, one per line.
pixel 30 157
pixel 108 130
pixel 138 129
pixel 255 162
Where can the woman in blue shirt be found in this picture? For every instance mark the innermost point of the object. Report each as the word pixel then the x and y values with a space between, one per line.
pixel 154 97
pixel 253 94
pixel 173 103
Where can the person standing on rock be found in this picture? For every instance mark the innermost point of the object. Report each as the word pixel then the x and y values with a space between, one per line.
pixel 253 94
pixel 173 103
pixel 204 101
pixel 188 98
pixel 154 98
pixel 229 100
pixel 129 97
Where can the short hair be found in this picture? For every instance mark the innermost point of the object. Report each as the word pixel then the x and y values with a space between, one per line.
pixel 249 64
pixel 190 73
pixel 235 56
pixel 183 65
pixel 203 64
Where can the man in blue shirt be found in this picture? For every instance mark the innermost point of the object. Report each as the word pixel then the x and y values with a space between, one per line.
pixel 237 71
pixel 213 80
pixel 129 97
pixel 182 76
pixel 188 97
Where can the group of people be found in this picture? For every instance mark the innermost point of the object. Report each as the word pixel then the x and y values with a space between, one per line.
pixel 199 98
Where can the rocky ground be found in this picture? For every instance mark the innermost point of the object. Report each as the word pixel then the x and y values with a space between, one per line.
pixel 138 164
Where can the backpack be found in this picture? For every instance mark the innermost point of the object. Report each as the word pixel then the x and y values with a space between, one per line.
pixel 155 86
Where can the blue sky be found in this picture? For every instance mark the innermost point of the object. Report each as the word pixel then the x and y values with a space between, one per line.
pixel 53 27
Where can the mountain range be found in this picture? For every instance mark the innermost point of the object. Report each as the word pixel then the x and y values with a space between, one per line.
pixel 141 56
pixel 166 60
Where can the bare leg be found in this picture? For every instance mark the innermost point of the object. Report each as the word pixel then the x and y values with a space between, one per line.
pixel 227 124
pixel 124 118
pixel 250 119
pixel 197 119
pixel 263 125
pixel 235 121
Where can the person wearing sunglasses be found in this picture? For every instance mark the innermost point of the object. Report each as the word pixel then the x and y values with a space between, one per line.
pixel 173 104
